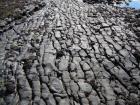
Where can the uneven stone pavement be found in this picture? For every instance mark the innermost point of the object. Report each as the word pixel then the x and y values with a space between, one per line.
pixel 72 53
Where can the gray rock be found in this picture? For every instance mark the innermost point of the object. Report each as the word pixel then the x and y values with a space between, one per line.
pixel 11 85
pixel 66 77
pixel 85 87
pixel 64 95
pixel 56 85
pixel 11 99
pixel 74 76
pixel 45 91
pixel 69 43
pixel 94 100
pixel 36 100
pixel 2 23
pixel 82 53
pixel 42 102
pixel 63 65
pixel 72 67
pixel 48 69
pixel 89 76
pixel 120 102
pixel 44 79
pixel 57 34
pixel 85 101
pixel 132 89
pixel 71 53
pixel 24 102
pixel 80 74
pixel 76 40
pixel 105 25
pixel 51 100
pixel 64 102
pixel 85 66
pixel 36 88
pixel 27 95
pixel 74 89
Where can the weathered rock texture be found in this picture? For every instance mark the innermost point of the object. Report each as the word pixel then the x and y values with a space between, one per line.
pixel 73 53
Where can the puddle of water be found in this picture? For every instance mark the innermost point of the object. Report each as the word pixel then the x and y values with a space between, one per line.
pixel 133 4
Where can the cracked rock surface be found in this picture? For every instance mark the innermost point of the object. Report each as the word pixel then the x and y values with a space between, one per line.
pixel 72 53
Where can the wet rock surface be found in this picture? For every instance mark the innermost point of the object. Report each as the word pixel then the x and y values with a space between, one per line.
pixel 72 53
